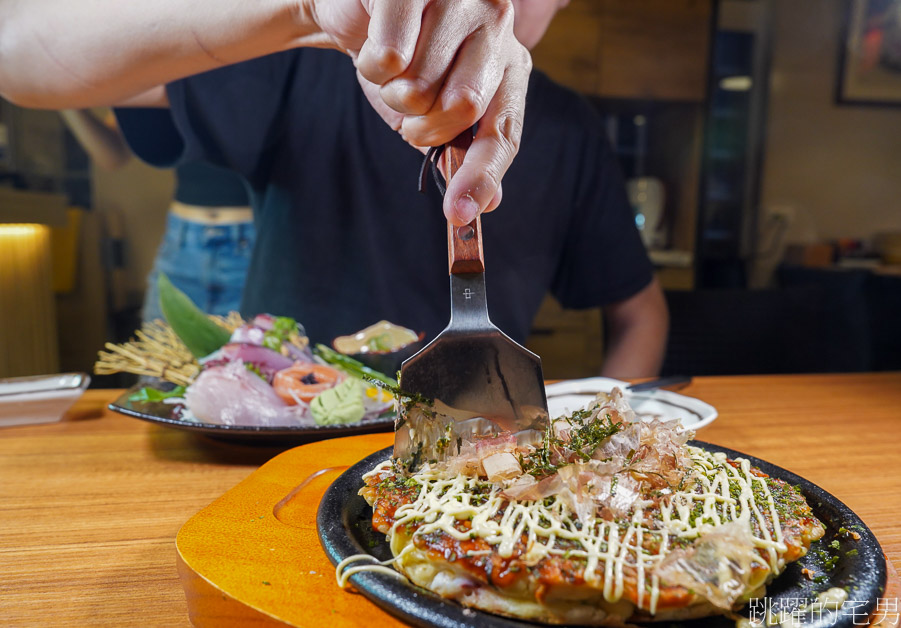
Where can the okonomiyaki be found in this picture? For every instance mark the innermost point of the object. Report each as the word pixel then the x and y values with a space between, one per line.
pixel 607 519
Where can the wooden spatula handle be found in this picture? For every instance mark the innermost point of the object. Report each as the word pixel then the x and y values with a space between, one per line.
pixel 464 244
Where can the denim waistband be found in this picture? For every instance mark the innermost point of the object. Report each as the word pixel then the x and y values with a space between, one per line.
pixel 181 231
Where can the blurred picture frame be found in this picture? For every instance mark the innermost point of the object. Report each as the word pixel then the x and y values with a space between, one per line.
pixel 870 54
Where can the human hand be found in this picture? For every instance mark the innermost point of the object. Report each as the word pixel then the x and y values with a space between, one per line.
pixel 431 69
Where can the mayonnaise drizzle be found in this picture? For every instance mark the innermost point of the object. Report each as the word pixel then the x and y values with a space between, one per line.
pixel 610 547
pixel 343 571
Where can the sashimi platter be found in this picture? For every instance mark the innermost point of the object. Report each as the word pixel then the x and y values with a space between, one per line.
pixel 227 375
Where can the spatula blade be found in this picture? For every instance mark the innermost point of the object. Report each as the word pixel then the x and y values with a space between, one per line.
pixel 482 374
pixel 480 382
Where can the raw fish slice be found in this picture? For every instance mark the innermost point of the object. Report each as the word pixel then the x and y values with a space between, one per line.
pixel 232 395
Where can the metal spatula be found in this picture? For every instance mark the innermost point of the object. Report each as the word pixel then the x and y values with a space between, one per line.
pixel 481 381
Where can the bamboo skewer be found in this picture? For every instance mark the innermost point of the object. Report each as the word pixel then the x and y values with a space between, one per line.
pixel 157 352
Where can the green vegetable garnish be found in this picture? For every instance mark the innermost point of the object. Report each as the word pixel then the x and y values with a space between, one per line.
pixel 382 342
pixel 253 368
pixel 149 395
pixel 284 326
pixel 351 366
pixel 586 435
pixel 272 341
pixel 192 326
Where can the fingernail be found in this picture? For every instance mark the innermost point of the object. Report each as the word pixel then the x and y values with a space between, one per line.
pixel 466 208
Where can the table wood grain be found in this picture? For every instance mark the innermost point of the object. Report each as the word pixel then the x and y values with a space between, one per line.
pixel 90 506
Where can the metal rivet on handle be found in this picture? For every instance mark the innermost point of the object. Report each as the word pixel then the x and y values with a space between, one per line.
pixel 466 232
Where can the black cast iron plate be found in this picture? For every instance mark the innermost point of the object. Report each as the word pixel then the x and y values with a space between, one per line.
pixel 344 521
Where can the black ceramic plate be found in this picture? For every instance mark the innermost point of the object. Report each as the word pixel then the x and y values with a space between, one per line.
pixel 165 414
pixel 344 521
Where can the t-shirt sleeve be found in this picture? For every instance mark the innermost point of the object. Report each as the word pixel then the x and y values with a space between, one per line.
pixel 151 134
pixel 604 259
pixel 228 116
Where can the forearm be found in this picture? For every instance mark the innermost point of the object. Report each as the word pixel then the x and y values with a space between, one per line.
pixel 636 353
pixel 65 54
pixel 636 335
pixel 431 69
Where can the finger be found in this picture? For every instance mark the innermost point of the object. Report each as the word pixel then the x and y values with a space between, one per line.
pixel 465 95
pixel 389 115
pixel 394 27
pixel 416 89
pixel 371 91
pixel 477 182
pixel 498 197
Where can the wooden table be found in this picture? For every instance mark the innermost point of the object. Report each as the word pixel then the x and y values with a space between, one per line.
pixel 90 506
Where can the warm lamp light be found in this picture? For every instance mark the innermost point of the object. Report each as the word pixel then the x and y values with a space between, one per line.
pixel 28 339
pixel 24 231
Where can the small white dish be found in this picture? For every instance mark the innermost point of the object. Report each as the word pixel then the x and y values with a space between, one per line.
pixel 571 395
pixel 39 399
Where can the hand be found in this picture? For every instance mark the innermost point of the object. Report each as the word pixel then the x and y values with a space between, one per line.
pixel 432 68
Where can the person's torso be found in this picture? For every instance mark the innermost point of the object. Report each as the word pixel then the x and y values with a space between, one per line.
pixel 340 221
pixel 201 184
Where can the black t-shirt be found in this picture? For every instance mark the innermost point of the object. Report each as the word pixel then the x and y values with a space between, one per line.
pixel 205 185
pixel 343 237
pixel 151 134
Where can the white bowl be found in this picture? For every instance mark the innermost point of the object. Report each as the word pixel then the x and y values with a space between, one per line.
pixel 39 399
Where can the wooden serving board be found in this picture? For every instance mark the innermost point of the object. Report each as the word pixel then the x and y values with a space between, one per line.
pixel 252 557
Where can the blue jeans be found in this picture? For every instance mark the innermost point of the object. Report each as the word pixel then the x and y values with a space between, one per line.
pixel 208 263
